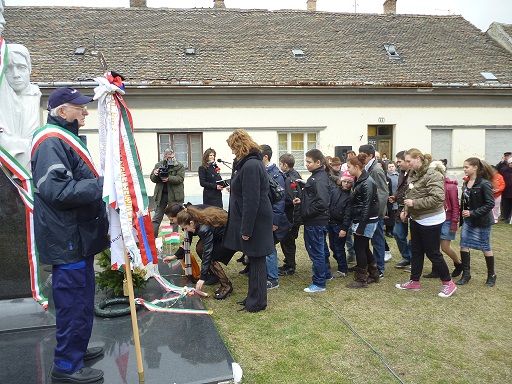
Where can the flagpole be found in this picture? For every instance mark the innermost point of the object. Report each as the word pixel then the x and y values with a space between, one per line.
pixel 133 313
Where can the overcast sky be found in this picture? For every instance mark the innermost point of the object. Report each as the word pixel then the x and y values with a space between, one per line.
pixel 480 12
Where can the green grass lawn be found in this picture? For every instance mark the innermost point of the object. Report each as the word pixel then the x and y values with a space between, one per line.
pixel 353 336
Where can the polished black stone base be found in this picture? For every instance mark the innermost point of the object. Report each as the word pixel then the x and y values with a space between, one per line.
pixel 14 274
pixel 176 348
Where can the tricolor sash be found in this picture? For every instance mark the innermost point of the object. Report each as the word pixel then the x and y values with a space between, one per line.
pixel 50 130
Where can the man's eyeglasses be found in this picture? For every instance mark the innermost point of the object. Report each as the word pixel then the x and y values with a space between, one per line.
pixel 83 108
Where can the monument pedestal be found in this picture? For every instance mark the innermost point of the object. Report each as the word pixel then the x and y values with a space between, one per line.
pixel 14 273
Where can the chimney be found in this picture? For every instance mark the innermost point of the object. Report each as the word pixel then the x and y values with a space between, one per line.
pixel 312 5
pixel 138 4
pixel 219 4
pixel 390 7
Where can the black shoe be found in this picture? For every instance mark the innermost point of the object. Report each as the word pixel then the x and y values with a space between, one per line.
pixel 93 353
pixel 464 279
pixel 240 259
pixel 244 271
pixel 83 375
pixel 458 270
pixel 286 272
pixel 431 275
pixel 211 280
pixel 242 302
pixel 402 264
pixel 491 280
pixel 466 268
pixel 256 309
pixel 352 269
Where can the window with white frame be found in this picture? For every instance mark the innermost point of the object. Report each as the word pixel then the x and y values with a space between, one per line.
pixel 188 148
pixel 297 144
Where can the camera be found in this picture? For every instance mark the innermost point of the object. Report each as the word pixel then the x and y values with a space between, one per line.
pixel 163 171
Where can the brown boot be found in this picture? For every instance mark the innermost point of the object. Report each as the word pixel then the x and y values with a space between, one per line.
pixel 360 279
pixel 225 285
pixel 373 274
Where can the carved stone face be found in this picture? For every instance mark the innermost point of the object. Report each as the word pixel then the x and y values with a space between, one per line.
pixel 18 72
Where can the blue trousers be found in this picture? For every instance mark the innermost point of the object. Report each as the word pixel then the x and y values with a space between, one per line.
pixel 271 262
pixel 379 245
pixel 337 245
pixel 73 296
pixel 314 239
pixel 400 232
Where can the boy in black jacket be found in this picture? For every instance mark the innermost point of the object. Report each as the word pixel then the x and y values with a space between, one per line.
pixel 286 164
pixel 339 223
pixel 314 209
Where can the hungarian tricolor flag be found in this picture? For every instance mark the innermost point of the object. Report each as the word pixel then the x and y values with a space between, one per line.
pixel 124 190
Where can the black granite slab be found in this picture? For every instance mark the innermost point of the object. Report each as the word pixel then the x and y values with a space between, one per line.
pixel 24 314
pixel 176 348
pixel 14 274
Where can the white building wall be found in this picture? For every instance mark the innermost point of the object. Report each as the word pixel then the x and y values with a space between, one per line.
pixel 338 120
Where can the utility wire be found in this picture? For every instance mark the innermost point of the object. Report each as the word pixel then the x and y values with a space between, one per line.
pixel 331 308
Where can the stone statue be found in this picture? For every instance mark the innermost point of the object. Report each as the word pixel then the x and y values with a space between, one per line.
pixel 19 105
pixel 2 20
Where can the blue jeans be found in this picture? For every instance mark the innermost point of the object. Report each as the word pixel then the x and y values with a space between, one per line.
pixel 271 261
pixel 349 242
pixel 400 232
pixel 378 244
pixel 314 239
pixel 337 245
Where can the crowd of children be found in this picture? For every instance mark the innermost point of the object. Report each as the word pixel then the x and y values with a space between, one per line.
pixel 346 206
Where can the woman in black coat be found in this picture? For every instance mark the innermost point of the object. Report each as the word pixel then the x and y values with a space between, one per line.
pixel 249 227
pixel 209 174
pixel 365 216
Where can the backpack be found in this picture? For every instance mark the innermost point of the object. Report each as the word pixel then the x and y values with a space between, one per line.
pixel 276 192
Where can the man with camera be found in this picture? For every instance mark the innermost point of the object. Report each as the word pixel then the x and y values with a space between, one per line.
pixel 168 175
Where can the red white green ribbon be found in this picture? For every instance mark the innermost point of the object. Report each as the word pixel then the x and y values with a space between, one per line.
pixel 13 169
pixel 154 307
pixel 50 130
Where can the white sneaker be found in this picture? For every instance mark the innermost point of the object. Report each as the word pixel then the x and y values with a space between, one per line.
pixel 387 256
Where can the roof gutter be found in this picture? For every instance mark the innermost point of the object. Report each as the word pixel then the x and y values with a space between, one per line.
pixel 187 87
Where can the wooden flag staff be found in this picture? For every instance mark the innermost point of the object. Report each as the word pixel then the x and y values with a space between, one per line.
pixel 133 313
pixel 128 282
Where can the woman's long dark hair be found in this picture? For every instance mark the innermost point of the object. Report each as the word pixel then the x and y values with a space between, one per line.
pixel 483 169
pixel 206 155
pixel 213 216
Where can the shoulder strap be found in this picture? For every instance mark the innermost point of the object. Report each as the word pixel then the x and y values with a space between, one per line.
pixel 50 130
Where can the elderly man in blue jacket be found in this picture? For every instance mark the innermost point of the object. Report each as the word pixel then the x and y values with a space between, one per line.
pixel 71 226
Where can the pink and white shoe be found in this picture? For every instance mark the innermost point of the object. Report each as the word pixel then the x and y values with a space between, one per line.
pixel 411 285
pixel 449 289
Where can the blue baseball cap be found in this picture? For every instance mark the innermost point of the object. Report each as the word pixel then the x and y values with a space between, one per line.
pixel 67 95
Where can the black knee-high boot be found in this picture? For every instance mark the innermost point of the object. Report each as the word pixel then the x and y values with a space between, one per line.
pixel 491 276
pixel 466 268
